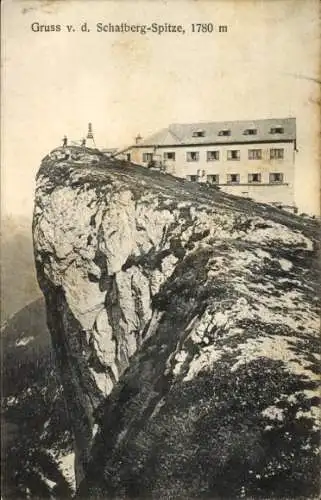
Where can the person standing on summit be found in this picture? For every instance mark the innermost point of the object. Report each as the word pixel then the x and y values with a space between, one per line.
pixel 64 141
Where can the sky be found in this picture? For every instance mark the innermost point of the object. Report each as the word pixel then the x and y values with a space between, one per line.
pixel 54 83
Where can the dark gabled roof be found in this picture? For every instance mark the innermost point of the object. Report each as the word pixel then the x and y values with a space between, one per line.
pixel 211 132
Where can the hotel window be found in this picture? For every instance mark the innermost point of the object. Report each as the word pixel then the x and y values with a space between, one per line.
pixel 250 131
pixel 224 132
pixel 198 133
pixel 277 130
pixel 233 178
pixel 276 178
pixel 147 157
pixel 276 154
pixel 254 178
pixel 213 155
pixel 169 156
pixel 192 156
pixel 193 178
pixel 233 154
pixel 213 179
pixel 255 154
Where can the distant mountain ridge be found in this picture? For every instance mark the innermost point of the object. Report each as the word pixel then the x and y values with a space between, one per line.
pixel 18 278
pixel 35 427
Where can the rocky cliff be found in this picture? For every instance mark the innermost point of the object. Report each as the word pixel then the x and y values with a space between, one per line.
pixel 185 325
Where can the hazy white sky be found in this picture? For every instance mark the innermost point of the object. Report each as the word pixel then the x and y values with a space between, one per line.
pixel 55 83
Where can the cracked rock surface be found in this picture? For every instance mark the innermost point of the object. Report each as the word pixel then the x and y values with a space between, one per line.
pixel 185 324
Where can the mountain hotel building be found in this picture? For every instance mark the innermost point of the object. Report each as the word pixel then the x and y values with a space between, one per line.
pixel 254 159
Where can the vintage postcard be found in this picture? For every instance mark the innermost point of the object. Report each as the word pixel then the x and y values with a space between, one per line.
pixel 160 236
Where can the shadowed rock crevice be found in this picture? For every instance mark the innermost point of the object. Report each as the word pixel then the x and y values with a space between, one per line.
pixel 74 360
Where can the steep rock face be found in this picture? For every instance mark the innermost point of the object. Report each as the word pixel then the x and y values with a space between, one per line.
pixel 185 325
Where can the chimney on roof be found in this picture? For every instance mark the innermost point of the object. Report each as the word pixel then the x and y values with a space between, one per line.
pixel 138 139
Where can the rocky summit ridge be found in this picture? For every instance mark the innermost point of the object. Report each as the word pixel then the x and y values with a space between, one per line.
pixel 185 324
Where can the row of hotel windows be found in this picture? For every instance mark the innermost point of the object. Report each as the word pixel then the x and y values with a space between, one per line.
pixel 232 154
pixel 274 178
pixel 248 131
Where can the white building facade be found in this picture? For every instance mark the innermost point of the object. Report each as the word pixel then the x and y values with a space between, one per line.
pixel 253 159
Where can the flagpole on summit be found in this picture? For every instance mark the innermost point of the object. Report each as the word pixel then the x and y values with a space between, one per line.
pixel 90 142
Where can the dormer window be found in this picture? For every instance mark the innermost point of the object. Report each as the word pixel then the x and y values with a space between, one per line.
pixel 198 133
pixel 277 130
pixel 250 131
pixel 224 132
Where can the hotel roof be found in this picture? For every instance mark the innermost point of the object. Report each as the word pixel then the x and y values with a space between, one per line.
pixel 247 131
